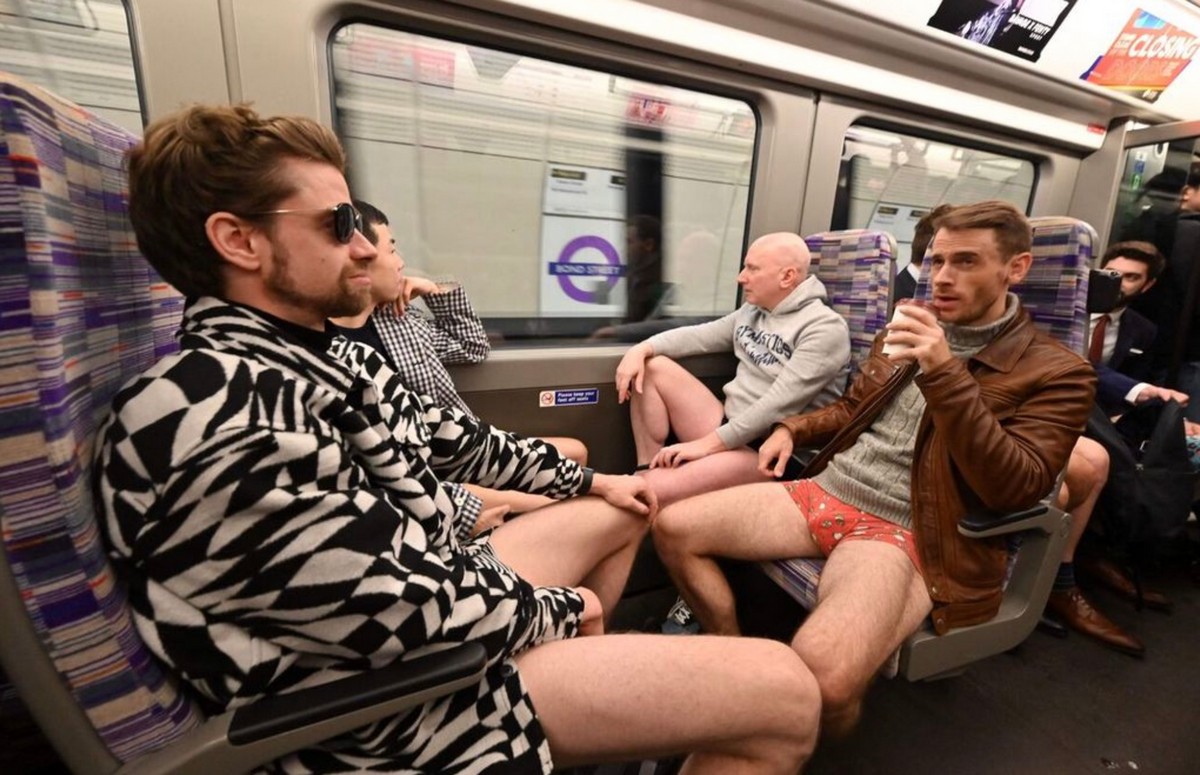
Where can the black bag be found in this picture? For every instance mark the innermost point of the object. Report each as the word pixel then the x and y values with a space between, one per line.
pixel 1150 483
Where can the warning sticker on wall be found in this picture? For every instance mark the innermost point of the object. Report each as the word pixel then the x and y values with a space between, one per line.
pixel 578 397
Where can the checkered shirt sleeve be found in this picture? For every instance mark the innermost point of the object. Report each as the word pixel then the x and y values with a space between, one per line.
pixel 458 334
pixel 467 507
pixel 409 340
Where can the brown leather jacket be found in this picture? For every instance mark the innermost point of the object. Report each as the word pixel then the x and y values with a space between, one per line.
pixel 996 432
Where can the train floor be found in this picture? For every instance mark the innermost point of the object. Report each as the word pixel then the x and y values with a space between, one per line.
pixel 1068 706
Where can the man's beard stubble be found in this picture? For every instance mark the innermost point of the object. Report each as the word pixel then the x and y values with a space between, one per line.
pixel 340 301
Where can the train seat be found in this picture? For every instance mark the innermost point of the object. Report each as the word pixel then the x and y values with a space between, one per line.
pixel 80 313
pixel 858 269
pixel 1055 294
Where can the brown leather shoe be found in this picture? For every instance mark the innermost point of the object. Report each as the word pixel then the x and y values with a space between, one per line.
pixel 1073 608
pixel 1110 575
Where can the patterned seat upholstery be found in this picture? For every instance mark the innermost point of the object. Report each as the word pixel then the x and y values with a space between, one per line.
pixel 858 268
pixel 80 313
pixel 1054 293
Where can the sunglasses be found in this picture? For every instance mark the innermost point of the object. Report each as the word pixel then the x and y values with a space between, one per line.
pixel 346 220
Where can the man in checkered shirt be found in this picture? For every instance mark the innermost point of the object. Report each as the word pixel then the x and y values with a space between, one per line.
pixel 419 349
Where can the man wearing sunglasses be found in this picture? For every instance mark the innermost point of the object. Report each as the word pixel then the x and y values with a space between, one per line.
pixel 274 498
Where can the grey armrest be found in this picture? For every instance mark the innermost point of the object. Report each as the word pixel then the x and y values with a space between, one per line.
pixel 1045 528
pixel 987 525
pixel 248 737
pixel 804 456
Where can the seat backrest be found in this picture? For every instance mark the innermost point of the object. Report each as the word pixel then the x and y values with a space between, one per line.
pixel 1055 290
pixel 80 313
pixel 858 269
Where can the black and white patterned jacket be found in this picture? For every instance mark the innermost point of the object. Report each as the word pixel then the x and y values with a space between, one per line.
pixel 278 515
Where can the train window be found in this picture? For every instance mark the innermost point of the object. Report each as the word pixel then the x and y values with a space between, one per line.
pixel 79 49
pixel 890 179
pixel 572 203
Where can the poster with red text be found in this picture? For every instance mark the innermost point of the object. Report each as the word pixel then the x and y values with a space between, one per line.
pixel 1145 58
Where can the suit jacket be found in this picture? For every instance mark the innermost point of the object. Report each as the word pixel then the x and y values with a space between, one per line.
pixel 905 285
pixel 1130 362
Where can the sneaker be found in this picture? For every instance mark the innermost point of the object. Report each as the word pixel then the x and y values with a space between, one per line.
pixel 680 620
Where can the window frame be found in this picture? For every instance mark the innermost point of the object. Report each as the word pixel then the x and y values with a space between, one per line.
pixel 600 56
pixel 135 61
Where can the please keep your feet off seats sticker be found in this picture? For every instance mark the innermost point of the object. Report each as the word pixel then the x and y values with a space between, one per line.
pixel 577 397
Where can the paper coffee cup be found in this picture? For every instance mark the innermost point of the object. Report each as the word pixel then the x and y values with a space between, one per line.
pixel 898 313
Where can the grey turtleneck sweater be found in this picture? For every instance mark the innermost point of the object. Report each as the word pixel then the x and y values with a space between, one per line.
pixel 875 473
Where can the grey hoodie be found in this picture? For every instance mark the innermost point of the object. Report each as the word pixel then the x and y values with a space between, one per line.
pixel 793 357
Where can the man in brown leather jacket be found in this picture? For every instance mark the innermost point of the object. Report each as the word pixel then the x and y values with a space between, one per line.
pixel 974 409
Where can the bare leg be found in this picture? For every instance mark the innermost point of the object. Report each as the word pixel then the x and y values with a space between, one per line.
pixel 870 599
pixel 741 705
pixel 580 542
pixel 569 447
pixel 671 398
pixel 714 472
pixel 752 522
pixel 1087 471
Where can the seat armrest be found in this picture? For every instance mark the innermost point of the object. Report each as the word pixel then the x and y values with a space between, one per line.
pixel 354 695
pixel 803 456
pixel 987 525
pixel 798 463
pixel 249 737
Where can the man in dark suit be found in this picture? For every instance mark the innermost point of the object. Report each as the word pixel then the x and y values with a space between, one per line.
pixel 1121 350
pixel 906 278
pixel 1122 339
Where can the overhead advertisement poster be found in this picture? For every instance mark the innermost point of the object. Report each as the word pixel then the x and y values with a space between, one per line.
pixel 1145 58
pixel 1018 27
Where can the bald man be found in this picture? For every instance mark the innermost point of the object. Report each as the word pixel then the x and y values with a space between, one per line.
pixel 793 354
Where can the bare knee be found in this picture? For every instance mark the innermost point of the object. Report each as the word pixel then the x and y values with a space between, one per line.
pixel 1098 457
pixel 1088 465
pixel 790 699
pixel 841 687
pixel 840 691
pixel 574 449
pixel 658 366
pixel 1087 471
pixel 633 526
pixel 670 529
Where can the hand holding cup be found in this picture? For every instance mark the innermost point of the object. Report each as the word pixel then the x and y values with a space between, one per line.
pixel 914 335
pixel 898 314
